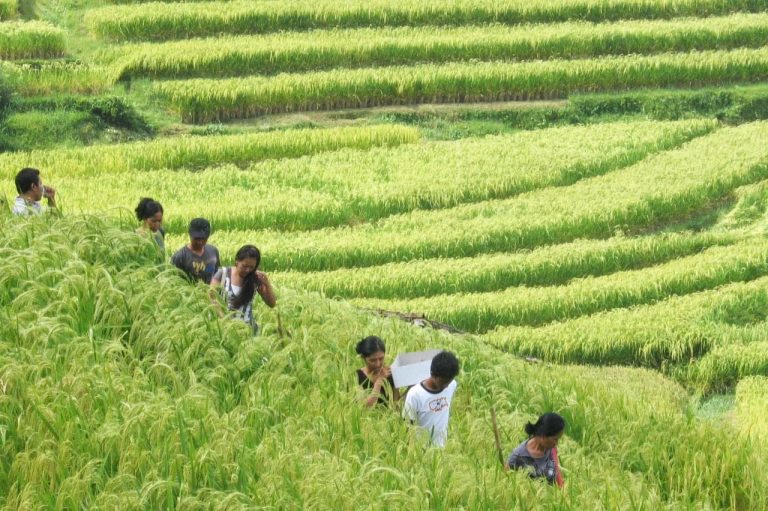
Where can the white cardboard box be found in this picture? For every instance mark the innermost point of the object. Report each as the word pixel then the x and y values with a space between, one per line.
pixel 412 368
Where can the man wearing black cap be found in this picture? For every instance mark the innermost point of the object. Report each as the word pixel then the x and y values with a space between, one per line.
pixel 198 259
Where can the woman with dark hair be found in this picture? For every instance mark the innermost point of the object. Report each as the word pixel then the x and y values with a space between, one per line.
pixel 241 282
pixel 374 376
pixel 150 213
pixel 539 452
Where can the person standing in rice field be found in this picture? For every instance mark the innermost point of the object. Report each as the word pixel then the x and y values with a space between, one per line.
pixel 539 452
pixel 150 214
pixel 198 259
pixel 240 283
pixel 31 191
pixel 428 404
pixel 374 376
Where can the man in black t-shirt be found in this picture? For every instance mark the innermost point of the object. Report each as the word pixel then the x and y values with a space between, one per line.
pixel 198 259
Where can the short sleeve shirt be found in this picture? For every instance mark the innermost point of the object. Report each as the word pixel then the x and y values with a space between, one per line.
pixel 195 266
pixel 22 207
pixel 538 467
pixel 430 410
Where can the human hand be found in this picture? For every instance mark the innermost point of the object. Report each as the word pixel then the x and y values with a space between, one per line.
pixel 384 373
pixel 49 192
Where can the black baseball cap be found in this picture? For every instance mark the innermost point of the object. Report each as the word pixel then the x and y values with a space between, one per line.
pixel 200 228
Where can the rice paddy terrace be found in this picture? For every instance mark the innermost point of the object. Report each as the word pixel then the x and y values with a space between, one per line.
pixel 622 245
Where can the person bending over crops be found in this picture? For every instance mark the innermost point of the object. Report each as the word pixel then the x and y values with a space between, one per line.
pixel 375 376
pixel 539 453
pixel 31 191
pixel 241 282
pixel 198 259
pixel 428 404
pixel 150 214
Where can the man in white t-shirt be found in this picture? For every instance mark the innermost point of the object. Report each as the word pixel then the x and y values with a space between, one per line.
pixel 428 404
pixel 31 192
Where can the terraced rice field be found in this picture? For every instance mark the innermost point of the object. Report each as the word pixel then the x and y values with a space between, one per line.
pixel 627 257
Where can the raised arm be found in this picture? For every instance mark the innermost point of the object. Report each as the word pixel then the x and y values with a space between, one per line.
pixel 265 289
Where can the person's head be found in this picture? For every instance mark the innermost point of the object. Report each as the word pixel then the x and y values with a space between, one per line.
pixel 247 262
pixel 372 351
pixel 28 182
pixel 547 430
pixel 199 232
pixel 444 368
pixel 150 213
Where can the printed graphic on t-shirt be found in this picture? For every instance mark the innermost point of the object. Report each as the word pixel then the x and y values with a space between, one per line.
pixel 436 405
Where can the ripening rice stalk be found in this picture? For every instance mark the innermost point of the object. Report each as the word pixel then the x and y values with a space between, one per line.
pixel 356 184
pixel 50 78
pixel 159 21
pixel 642 194
pixel 204 100
pixel 31 40
pixel 199 152
pixel 294 52
pixel 670 335
pixel 544 266
pixel 479 312
pixel 139 412
pixel 8 9
pixel 751 406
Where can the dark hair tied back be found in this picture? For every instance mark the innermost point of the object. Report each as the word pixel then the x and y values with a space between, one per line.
pixel 549 424
pixel 370 345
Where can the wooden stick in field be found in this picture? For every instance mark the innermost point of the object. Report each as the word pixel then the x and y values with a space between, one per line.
pixel 496 436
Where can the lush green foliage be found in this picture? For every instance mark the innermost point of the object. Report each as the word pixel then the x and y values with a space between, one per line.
pixel 301 52
pixel 200 152
pixel 30 39
pixel 8 9
pixel 56 77
pixel 543 266
pixel 109 403
pixel 634 197
pixel 478 312
pixel 751 407
pixel 358 184
pixel 203 100
pixel 157 21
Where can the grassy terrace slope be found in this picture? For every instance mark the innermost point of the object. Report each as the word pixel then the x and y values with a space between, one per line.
pixel 181 20
pixel 114 405
pixel 634 197
pixel 368 47
pixel 366 180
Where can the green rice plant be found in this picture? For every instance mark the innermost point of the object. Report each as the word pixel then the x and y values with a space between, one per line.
pixel 725 365
pixel 644 194
pixel 159 21
pixel 667 335
pixel 56 77
pixel 543 266
pixel 31 40
pixel 751 404
pixel 368 47
pixel 479 312
pixel 354 185
pixel 137 412
pixel 8 9
pixel 204 100
pixel 192 152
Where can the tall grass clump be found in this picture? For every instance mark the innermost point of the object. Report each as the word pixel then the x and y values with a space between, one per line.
pixel 751 406
pixel 56 77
